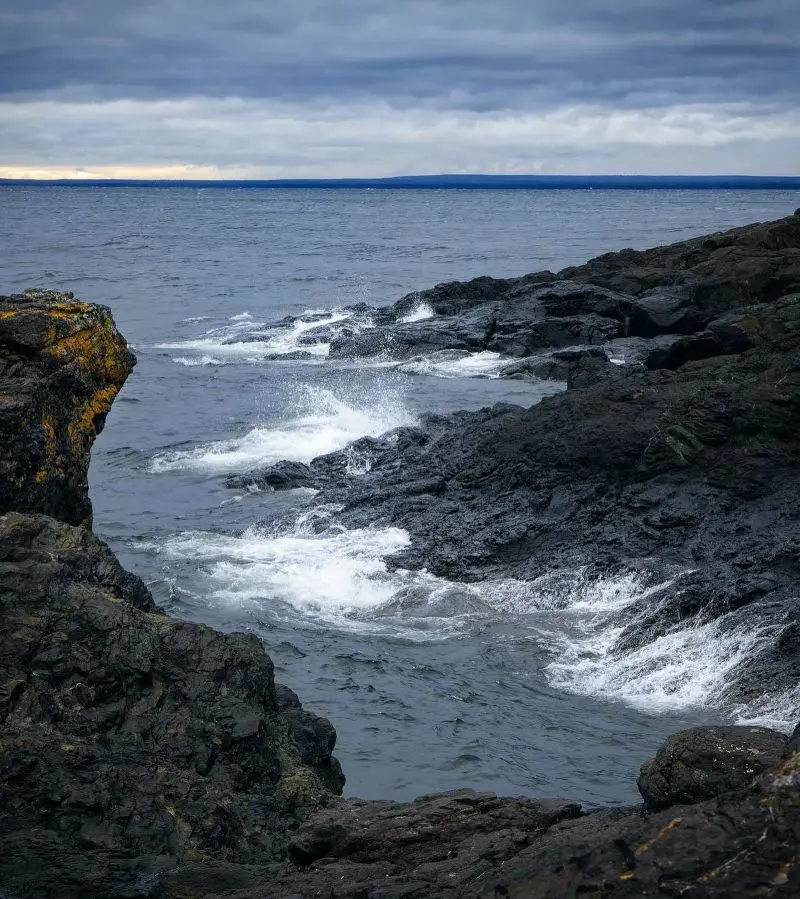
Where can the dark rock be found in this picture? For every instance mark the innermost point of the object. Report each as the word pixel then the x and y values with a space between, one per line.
pixel 556 365
pixel 128 731
pixel 281 476
pixel 62 362
pixel 706 762
pixel 457 297
pixel 519 336
pixel 438 830
pixel 126 736
pixel 793 745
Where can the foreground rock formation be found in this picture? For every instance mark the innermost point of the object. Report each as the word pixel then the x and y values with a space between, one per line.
pixel 142 756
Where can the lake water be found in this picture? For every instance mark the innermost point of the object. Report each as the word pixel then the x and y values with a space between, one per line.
pixel 469 693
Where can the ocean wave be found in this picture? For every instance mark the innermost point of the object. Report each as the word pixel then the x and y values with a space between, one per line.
pixel 245 341
pixel 419 313
pixel 690 667
pixel 332 576
pixel 455 364
pixel 322 422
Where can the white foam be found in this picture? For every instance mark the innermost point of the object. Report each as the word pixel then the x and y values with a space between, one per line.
pixel 246 341
pixel 419 313
pixel 456 364
pixel 778 711
pixel 192 361
pixel 332 577
pixel 323 423
pixel 338 578
pixel 688 668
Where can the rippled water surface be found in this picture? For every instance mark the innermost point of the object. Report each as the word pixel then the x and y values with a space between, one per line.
pixel 431 684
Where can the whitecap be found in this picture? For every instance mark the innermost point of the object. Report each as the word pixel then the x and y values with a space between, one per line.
pixel 456 364
pixel 323 422
pixel 420 312
pixel 192 361
pixel 689 667
pixel 246 341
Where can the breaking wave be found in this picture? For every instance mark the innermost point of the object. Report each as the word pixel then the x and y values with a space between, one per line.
pixel 419 313
pixel 322 422
pixel 244 341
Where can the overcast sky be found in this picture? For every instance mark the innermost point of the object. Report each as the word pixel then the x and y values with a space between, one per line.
pixel 335 88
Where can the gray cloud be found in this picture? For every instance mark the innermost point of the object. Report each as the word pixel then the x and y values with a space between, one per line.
pixel 714 81
pixel 508 53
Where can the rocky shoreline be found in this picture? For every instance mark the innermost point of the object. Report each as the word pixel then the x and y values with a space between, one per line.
pixel 144 756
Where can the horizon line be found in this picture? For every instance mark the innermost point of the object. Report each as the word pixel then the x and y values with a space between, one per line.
pixel 440 181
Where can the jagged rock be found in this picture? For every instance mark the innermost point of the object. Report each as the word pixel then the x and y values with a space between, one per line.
pixel 62 362
pixel 435 829
pixel 126 735
pixel 126 732
pixel 706 762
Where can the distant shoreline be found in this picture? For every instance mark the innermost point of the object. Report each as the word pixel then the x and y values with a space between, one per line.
pixel 446 182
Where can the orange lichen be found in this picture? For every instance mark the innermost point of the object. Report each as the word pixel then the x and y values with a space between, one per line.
pixel 95 349
pixel 99 404
pixel 646 847
pixel 50 440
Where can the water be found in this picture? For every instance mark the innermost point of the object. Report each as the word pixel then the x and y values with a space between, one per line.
pixel 504 685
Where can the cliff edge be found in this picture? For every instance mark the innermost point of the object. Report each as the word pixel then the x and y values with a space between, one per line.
pixel 126 736
pixel 62 363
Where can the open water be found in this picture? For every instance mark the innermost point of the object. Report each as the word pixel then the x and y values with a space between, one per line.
pixel 505 686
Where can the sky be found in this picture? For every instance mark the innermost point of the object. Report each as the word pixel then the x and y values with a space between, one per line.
pixel 369 88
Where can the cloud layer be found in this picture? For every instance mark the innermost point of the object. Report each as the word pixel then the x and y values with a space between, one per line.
pixel 371 87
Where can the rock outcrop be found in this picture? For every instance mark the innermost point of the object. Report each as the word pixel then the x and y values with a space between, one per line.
pixel 681 466
pixel 126 736
pixel 62 362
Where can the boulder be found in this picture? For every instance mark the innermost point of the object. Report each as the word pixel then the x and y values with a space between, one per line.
pixel 707 762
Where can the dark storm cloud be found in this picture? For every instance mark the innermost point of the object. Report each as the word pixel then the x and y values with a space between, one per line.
pixel 507 54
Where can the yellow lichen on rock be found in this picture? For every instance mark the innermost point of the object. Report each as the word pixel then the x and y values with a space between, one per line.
pixel 68 362
pixel 85 424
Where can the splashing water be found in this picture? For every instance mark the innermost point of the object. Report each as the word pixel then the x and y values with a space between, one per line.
pixel 243 340
pixel 419 313
pixel 455 364
pixel 322 424
pixel 687 668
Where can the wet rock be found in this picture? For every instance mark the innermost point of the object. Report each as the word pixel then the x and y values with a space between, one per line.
pixel 367 831
pixel 687 466
pixel 143 756
pixel 475 846
pixel 281 476
pixel 554 366
pixel 519 336
pixel 456 297
pixel 62 362
pixel 706 762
